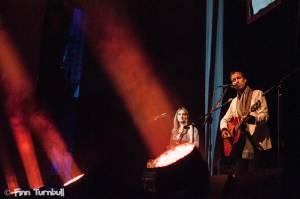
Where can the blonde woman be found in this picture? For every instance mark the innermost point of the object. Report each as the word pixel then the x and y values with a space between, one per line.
pixel 183 131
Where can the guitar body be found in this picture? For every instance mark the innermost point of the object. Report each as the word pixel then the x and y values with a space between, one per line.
pixel 234 128
pixel 235 135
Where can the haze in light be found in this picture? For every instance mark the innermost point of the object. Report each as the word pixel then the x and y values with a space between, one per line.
pixel 118 52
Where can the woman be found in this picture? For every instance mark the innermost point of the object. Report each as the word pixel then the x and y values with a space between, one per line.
pixel 183 131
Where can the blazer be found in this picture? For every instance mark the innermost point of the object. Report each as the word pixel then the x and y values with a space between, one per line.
pixel 259 131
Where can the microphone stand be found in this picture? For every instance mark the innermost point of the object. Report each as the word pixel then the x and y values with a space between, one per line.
pixel 208 121
pixel 192 124
pixel 278 86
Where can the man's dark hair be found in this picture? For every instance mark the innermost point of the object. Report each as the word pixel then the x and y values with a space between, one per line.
pixel 237 71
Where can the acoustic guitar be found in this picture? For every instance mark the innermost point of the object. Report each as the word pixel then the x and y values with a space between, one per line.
pixel 234 128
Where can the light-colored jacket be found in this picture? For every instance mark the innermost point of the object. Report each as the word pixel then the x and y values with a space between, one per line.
pixel 259 130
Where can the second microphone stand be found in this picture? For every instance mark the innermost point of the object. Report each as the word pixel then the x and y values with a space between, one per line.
pixel 208 121
pixel 278 86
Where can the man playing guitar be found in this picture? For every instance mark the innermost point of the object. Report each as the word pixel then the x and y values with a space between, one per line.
pixel 243 127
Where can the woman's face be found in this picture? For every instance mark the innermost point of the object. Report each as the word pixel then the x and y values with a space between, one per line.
pixel 182 117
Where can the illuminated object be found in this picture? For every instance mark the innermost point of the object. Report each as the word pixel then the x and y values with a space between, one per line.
pixel 172 155
pixel 73 180
pixel 179 168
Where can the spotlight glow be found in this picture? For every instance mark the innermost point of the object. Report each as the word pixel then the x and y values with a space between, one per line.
pixel 6 165
pixel 21 110
pixel 17 89
pixel 54 147
pixel 173 155
pixel 118 50
pixel 11 180
pixel 27 152
pixel 73 180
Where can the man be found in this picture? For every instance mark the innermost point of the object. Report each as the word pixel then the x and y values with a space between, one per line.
pixel 243 127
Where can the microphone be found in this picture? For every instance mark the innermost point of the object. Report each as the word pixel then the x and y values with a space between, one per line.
pixel 227 86
pixel 160 116
pixel 188 125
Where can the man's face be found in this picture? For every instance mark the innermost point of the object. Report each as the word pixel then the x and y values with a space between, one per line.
pixel 238 81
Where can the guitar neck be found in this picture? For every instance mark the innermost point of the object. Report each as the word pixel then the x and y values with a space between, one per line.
pixel 253 108
pixel 241 122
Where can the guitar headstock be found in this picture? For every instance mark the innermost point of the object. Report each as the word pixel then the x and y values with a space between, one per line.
pixel 255 106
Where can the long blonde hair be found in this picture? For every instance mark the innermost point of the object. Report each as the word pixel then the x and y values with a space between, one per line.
pixel 176 124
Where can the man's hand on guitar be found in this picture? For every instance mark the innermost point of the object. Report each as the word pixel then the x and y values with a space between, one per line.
pixel 249 119
pixel 225 134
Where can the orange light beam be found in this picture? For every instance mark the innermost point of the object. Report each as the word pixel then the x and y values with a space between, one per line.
pixel 26 150
pixel 125 63
pixel 55 148
pixel 9 173
pixel 11 179
pixel 18 89
pixel 14 77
